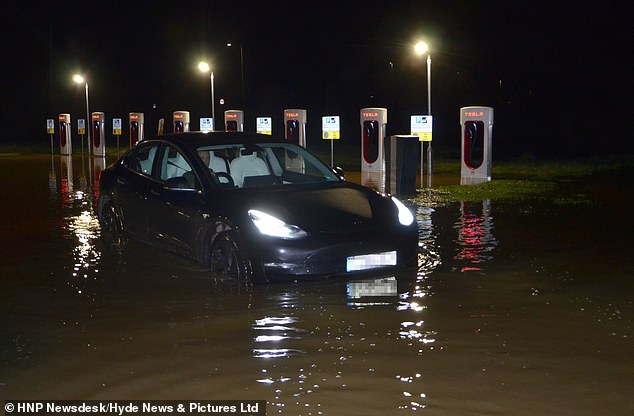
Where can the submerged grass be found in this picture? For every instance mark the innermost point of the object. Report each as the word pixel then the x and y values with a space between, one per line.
pixel 527 180
pixel 501 189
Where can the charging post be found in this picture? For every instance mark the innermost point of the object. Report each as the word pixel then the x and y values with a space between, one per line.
pixel 65 140
pixel 476 124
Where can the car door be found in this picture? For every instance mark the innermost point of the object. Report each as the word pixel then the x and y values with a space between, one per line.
pixel 132 188
pixel 175 205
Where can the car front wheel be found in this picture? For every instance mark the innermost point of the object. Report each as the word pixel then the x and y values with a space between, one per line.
pixel 228 258
pixel 110 219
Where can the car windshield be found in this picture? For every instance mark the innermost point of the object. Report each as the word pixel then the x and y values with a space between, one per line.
pixel 265 164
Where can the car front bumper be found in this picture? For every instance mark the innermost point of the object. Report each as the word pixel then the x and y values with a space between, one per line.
pixel 327 256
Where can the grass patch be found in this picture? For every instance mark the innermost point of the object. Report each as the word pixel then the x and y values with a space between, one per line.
pixel 528 179
pixel 497 190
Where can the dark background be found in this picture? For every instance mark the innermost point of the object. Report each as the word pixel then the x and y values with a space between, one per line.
pixel 558 74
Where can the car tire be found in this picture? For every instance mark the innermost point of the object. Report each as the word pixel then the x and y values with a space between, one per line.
pixel 228 258
pixel 110 219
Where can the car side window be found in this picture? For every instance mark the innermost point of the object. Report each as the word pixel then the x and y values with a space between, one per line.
pixel 142 159
pixel 174 167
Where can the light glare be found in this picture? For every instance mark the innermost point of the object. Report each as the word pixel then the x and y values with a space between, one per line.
pixel 405 216
pixel 274 227
pixel 78 79
pixel 203 66
pixel 421 48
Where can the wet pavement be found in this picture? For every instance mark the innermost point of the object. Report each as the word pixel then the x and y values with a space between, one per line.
pixel 516 309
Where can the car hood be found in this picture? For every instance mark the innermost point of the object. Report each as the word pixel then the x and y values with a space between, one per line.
pixel 338 208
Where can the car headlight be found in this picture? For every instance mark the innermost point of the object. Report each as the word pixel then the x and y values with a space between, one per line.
pixel 405 216
pixel 274 227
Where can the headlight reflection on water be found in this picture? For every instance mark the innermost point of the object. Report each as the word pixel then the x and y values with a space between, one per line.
pixel 413 305
pixel 277 330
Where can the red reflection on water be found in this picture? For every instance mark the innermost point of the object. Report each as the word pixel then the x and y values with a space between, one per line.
pixel 475 235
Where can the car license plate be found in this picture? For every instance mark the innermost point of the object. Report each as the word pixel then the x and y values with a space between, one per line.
pixel 356 289
pixel 370 261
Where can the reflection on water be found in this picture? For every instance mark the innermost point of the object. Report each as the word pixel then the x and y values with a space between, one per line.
pixel 475 235
pixel 429 252
pixel 79 219
pixel 66 178
pixel 429 259
pixel 367 292
pixel 273 332
pixel 84 228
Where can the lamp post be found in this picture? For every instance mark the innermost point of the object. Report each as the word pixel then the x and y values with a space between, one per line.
pixel 204 67
pixel 422 48
pixel 79 79
pixel 229 44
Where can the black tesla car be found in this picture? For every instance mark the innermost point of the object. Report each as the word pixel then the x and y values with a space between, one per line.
pixel 254 208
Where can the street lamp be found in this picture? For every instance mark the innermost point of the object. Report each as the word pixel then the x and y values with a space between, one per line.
pixel 422 48
pixel 79 79
pixel 204 67
pixel 229 44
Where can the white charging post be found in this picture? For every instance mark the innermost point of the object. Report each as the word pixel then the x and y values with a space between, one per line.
pixel 181 121
pixel 65 142
pixel 137 128
pixel 373 130
pixel 234 120
pixel 476 124
pixel 98 134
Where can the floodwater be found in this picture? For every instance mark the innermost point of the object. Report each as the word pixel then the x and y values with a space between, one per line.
pixel 516 309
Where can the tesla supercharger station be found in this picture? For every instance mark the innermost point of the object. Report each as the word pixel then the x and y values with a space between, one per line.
pixel 137 123
pixel 234 120
pixel 65 142
pixel 373 129
pixel 98 134
pixel 181 121
pixel 295 132
pixel 295 126
pixel 476 124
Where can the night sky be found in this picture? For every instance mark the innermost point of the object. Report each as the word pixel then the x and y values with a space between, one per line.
pixel 566 64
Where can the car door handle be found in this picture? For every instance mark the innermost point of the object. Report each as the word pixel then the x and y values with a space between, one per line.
pixel 122 181
pixel 154 192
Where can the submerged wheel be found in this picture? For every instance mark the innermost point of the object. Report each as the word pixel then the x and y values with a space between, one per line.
pixel 111 222
pixel 110 219
pixel 228 258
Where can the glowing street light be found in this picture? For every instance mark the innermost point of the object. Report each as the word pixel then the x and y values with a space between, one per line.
pixel 422 48
pixel 229 45
pixel 204 67
pixel 79 79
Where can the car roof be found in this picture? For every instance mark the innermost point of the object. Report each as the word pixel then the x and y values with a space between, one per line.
pixel 193 140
